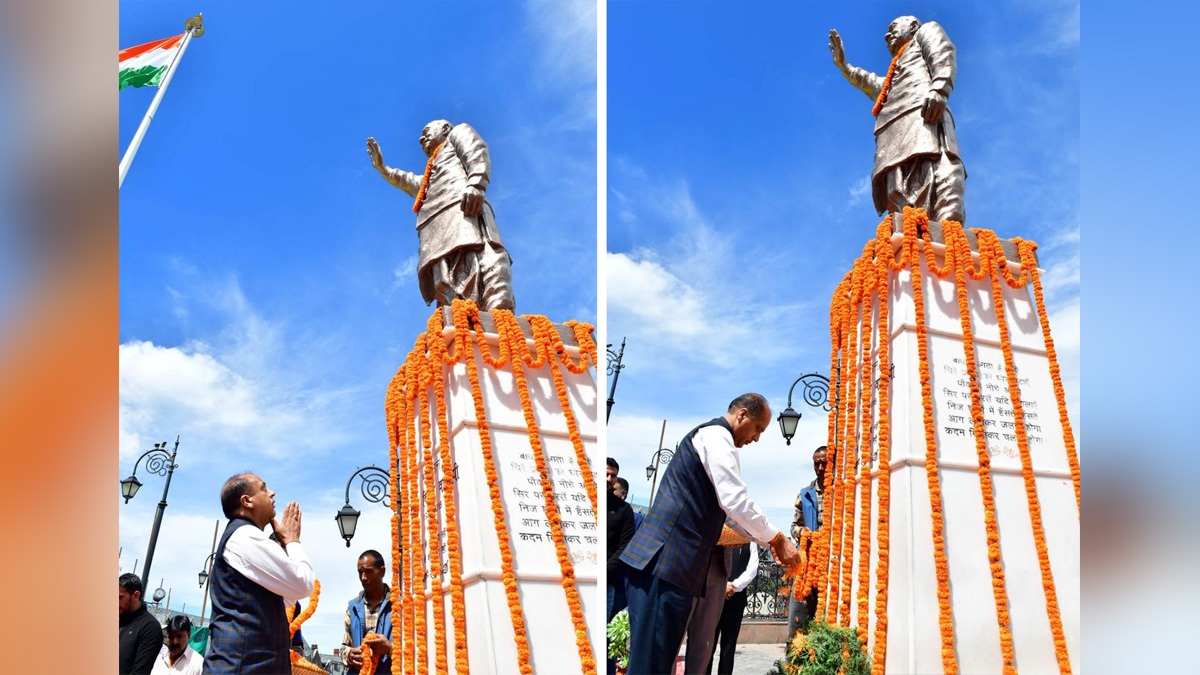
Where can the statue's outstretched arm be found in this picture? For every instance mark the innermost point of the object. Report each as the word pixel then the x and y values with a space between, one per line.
pixel 407 181
pixel 864 80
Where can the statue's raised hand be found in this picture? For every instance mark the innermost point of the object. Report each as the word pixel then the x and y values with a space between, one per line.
pixel 835 48
pixel 375 154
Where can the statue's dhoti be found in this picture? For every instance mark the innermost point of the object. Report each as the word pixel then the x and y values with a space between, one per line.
pixel 481 274
pixel 935 183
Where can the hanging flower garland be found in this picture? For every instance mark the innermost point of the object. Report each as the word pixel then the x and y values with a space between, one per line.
pixel 1029 263
pixel 832 579
pixel 883 261
pixel 887 83
pixel 863 463
pixel 507 322
pixel 416 548
pixel 392 406
pixel 838 318
pixel 989 241
pixel 847 294
pixel 543 328
pixel 463 313
pixel 453 541
pixel 914 219
pixel 956 237
pixel 433 550
pixel 425 179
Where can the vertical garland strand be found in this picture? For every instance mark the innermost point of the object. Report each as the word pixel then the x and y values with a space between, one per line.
pixel 956 237
pixel 883 262
pixel 433 553
pixel 989 241
pixel 912 220
pixel 506 322
pixel 862 429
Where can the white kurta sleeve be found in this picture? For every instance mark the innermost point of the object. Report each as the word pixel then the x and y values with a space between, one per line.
pixel 714 444
pixel 289 573
pixel 740 583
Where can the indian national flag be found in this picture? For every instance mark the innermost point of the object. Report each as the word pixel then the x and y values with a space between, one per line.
pixel 145 65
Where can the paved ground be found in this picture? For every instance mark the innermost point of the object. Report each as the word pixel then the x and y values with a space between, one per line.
pixel 754 659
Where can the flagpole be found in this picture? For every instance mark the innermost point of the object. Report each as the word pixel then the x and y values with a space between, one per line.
pixel 193 27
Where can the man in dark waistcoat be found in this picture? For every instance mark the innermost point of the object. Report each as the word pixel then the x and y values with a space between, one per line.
pixel 668 558
pixel 252 579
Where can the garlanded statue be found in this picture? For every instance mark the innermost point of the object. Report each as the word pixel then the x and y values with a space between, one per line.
pixel 460 251
pixel 917 162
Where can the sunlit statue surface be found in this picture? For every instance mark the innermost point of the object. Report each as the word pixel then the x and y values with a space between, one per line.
pixel 916 152
pixel 460 251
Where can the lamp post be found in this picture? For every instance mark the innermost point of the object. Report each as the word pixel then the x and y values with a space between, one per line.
pixel 816 394
pixel 660 456
pixel 613 368
pixel 162 463
pixel 374 488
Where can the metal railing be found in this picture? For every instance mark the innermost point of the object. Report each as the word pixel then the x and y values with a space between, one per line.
pixel 767 596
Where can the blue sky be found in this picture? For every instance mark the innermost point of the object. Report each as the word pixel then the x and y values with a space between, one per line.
pixel 738 160
pixel 268 289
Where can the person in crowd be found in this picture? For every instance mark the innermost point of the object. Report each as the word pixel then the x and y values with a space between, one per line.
pixel 253 579
pixel 620 531
pixel 369 612
pixel 744 569
pixel 177 656
pixel 809 513
pixel 140 634
pixel 667 561
pixel 622 490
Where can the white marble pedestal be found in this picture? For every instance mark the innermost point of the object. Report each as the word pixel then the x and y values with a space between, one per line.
pixel 490 645
pixel 914 644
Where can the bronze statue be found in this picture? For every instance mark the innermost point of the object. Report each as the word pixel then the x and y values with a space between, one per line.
pixel 916 152
pixel 461 254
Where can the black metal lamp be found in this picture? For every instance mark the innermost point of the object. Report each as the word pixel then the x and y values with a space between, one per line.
pixel 347 520
pixel 129 487
pixel 203 577
pixel 789 419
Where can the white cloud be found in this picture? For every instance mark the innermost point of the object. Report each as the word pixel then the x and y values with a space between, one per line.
pixel 565 33
pixel 860 190
pixel 405 272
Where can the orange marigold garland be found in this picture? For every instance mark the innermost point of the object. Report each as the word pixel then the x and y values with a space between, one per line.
pixel 956 237
pixel 294 624
pixel 989 242
pixel 453 540
pixel 393 405
pixel 1029 263
pixel 416 569
pixel 493 481
pixel 887 83
pixel 863 463
pixel 883 260
pixel 370 660
pixel 541 325
pixel 507 322
pixel 433 551
pixel 843 301
pixel 425 179
pixel 912 220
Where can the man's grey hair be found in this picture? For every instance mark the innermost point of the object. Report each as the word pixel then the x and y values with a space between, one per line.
pixel 755 404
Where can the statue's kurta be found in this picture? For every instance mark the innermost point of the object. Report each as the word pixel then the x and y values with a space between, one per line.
pixel 916 163
pixel 459 256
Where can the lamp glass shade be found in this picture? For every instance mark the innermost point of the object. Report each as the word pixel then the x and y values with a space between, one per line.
pixel 203 577
pixel 789 419
pixel 129 487
pixel 649 472
pixel 347 520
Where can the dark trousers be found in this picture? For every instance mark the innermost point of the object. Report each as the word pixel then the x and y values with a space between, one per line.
pixel 800 612
pixel 658 618
pixel 727 633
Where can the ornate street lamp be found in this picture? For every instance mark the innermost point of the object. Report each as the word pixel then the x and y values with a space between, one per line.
pixel 162 463
pixel 816 394
pixel 374 488
pixel 660 456
pixel 204 570
pixel 613 368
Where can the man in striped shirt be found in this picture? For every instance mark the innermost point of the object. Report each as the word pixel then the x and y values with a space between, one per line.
pixel 810 507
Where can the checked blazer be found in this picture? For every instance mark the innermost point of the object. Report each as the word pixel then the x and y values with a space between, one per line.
pixel 676 539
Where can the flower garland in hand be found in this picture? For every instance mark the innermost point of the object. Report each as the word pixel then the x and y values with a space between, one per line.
pixel 370 660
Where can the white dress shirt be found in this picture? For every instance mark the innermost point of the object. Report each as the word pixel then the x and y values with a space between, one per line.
pixel 723 465
pixel 289 573
pixel 191 663
pixel 740 583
